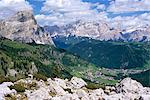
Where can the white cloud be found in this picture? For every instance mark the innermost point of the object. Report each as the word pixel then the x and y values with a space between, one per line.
pixel 8 7
pixel 60 12
pixel 101 7
pixel 121 6
pixel 65 11
pixel 131 22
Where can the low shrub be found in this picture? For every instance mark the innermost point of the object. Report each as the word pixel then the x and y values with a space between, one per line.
pixel 92 86
pixel 40 77
pixel 18 88
pixel 4 79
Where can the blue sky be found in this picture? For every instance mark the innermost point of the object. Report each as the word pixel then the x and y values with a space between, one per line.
pixel 37 5
pixel 59 12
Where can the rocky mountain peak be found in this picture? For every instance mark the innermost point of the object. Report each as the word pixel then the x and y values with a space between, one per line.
pixel 23 16
pixel 96 30
pixel 23 27
pixel 101 30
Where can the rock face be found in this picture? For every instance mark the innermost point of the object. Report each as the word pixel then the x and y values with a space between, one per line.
pixel 95 30
pixel 23 27
pixel 140 35
pixel 59 89
pixel 101 31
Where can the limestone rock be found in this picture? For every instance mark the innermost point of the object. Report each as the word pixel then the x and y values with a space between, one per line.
pixel 55 88
pixel 61 82
pixel 100 30
pixel 69 97
pixel 115 97
pixel 12 72
pixel 5 90
pixel 40 94
pixel 97 92
pixel 97 30
pixel 23 27
pixel 77 82
pixel 128 85
pixel 145 97
pixel 81 93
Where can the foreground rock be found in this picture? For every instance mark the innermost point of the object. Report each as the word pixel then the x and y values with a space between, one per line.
pixel 133 89
pixel 5 90
pixel 23 27
pixel 75 89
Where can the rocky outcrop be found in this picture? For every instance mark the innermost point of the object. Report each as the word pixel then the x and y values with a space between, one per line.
pixel 129 86
pixel 140 35
pixel 5 90
pixel 59 89
pixel 77 83
pixel 23 27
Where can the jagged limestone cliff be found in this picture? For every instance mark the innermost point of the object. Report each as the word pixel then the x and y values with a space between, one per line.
pixel 23 27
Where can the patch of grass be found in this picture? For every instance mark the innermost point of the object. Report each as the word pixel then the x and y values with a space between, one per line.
pixel 92 85
pixel 40 77
pixel 4 79
pixel 107 81
pixel 113 54
pixel 18 87
pixel 50 61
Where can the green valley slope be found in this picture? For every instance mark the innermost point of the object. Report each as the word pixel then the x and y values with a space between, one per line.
pixel 120 55
pixel 46 60
pixel 115 60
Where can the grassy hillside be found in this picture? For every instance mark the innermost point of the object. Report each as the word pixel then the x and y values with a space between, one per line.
pixel 143 77
pixel 23 59
pixel 112 57
pixel 65 42
pixel 17 60
pixel 113 54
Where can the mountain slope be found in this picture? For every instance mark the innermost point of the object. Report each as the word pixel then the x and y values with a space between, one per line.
pixel 23 27
pixel 143 77
pixel 111 54
pixel 18 60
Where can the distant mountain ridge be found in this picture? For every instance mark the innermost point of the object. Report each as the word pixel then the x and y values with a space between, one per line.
pixel 23 27
pixel 100 31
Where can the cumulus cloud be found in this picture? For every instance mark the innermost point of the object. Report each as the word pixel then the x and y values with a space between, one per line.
pixel 66 11
pixel 8 7
pixel 60 12
pixel 101 7
pixel 121 6
pixel 130 22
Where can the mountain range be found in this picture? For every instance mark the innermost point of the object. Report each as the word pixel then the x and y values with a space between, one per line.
pixel 93 51
pixel 100 31
pixel 105 46
pixel 25 48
